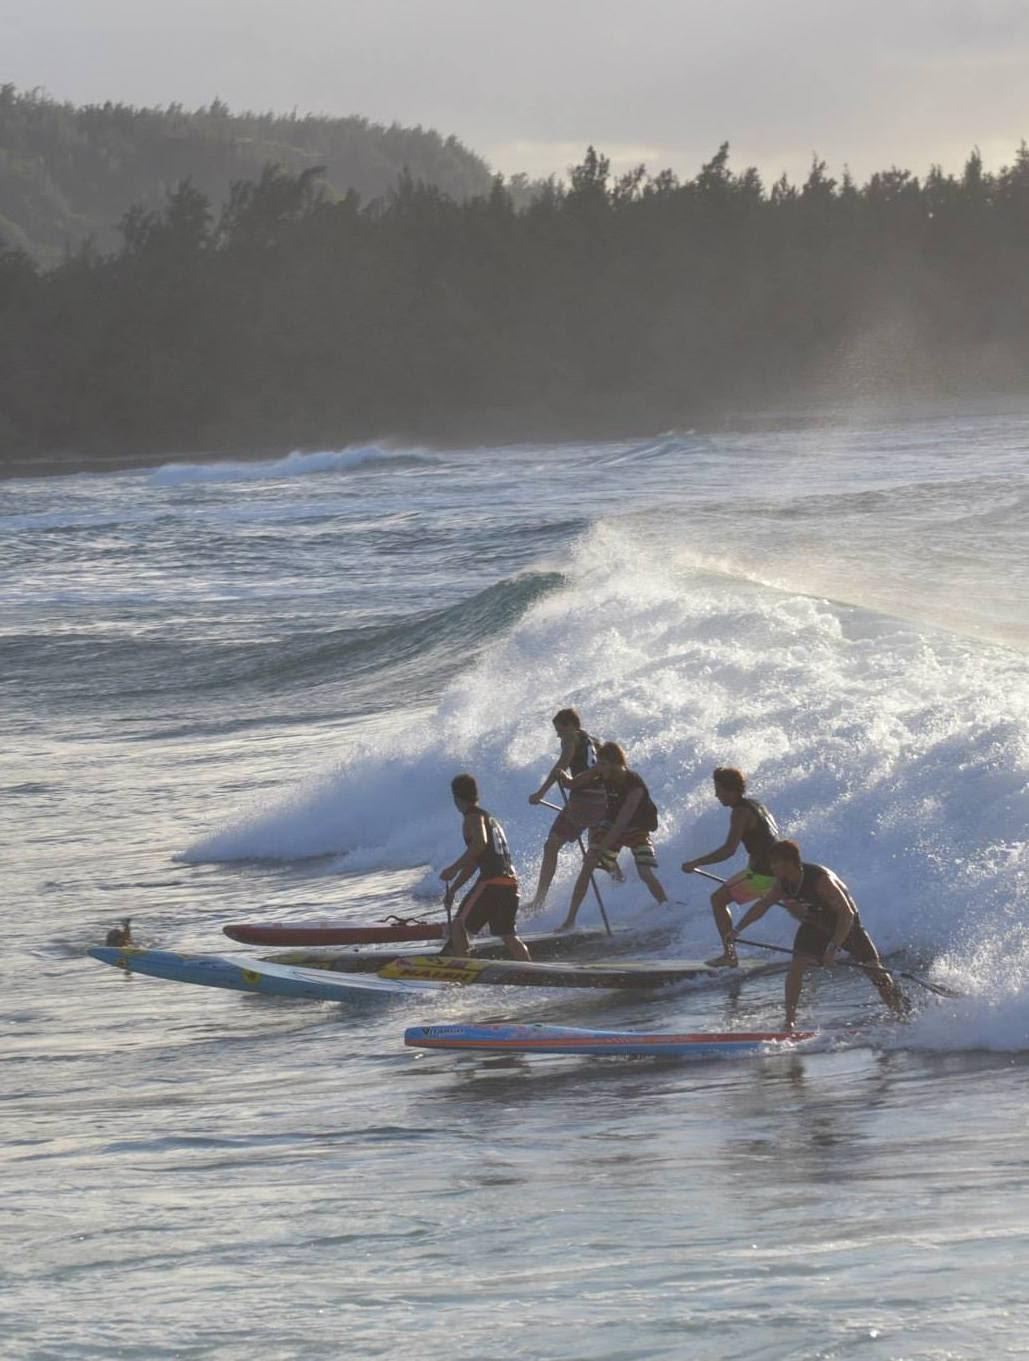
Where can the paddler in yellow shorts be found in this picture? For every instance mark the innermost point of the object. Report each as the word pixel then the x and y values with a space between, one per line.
pixel 752 824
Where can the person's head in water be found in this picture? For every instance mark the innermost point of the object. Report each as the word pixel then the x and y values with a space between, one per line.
pixel 121 935
pixel 566 720
pixel 611 761
pixel 465 791
pixel 784 858
pixel 730 785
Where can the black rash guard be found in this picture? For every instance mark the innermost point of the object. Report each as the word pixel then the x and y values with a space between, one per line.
pixel 759 840
pixel 582 757
pixel 495 860
pixel 806 896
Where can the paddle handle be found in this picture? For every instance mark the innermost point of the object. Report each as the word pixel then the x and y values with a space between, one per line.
pixel 704 875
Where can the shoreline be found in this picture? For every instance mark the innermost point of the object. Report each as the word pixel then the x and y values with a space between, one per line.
pixel 610 426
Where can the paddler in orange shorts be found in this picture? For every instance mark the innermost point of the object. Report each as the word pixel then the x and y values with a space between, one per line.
pixel 493 899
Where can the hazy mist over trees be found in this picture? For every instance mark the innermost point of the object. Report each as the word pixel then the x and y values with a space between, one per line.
pixel 605 305
pixel 68 173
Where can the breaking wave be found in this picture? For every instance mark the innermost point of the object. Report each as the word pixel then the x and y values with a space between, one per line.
pixel 296 464
pixel 898 756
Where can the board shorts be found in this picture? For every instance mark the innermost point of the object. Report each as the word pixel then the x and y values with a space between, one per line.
pixel 812 939
pixel 493 901
pixel 748 885
pixel 585 808
pixel 637 839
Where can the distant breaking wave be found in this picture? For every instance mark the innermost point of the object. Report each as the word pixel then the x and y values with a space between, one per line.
pixel 407 654
pixel 295 464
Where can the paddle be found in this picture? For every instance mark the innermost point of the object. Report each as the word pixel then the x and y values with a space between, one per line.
pixel 600 902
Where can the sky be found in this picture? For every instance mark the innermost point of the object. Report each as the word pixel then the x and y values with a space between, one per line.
pixel 529 83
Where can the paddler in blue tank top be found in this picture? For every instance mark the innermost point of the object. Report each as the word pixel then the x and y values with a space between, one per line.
pixel 829 922
pixel 752 824
pixel 494 895
pixel 585 807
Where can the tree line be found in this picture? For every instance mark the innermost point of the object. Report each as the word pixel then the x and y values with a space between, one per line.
pixel 606 304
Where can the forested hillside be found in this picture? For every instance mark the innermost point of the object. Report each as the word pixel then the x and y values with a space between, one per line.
pixel 70 173
pixel 294 318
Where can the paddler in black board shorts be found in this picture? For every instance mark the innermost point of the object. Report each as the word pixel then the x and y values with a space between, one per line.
pixel 494 896
pixel 753 824
pixel 629 819
pixel 585 808
pixel 829 922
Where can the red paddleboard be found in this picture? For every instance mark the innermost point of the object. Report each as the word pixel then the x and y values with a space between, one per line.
pixel 332 932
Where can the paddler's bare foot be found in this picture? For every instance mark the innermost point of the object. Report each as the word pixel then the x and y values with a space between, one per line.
pixel 617 875
pixel 567 925
pixel 726 961
pixel 121 935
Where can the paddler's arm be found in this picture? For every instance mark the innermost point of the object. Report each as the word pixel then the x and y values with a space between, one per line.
pixel 831 897
pixel 465 865
pixel 727 848
pixel 562 763
pixel 757 910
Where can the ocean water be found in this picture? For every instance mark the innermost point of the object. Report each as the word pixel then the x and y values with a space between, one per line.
pixel 239 691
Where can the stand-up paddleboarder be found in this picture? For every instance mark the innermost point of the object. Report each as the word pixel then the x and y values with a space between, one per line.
pixel 585 807
pixel 753 824
pixel 629 819
pixel 493 898
pixel 829 922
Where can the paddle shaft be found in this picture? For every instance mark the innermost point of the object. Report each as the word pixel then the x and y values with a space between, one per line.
pixel 600 902
pixel 704 875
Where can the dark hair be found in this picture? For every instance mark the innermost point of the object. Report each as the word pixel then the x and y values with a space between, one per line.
pixel 567 718
pixel 730 778
pixel 464 787
pixel 785 850
pixel 611 751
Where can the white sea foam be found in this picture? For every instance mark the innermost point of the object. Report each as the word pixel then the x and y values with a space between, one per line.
pixel 897 757
pixel 296 464
pixel 989 972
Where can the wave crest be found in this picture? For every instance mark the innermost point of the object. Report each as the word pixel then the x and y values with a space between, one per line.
pixel 296 464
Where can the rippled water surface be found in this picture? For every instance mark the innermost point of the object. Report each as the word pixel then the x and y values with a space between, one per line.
pixel 240 692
